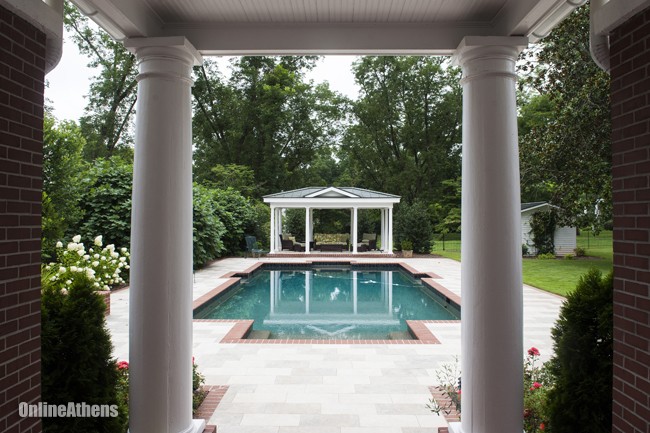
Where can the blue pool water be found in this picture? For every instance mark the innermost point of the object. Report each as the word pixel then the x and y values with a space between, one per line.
pixel 327 303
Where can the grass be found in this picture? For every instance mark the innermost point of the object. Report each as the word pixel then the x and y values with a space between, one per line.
pixel 558 276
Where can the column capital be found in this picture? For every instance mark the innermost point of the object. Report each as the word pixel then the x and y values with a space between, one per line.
pixel 480 56
pixel 167 58
pixel 166 45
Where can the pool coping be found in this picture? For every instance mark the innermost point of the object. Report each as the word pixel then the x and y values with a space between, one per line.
pixel 242 327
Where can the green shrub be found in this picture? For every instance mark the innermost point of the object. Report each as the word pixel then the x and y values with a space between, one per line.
pixel 294 223
pixel 542 229
pixel 580 252
pixel 406 245
pixel 207 229
pixel 582 365
pixel 524 250
pixel 546 256
pixel 76 355
pixel 568 257
pixel 238 215
pixel 412 222
pixel 106 201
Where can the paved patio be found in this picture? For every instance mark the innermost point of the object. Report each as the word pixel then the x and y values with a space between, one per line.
pixel 347 388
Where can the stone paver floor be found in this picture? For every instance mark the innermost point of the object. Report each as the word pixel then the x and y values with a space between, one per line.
pixel 309 388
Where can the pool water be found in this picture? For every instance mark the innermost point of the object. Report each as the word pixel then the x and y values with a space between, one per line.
pixel 327 303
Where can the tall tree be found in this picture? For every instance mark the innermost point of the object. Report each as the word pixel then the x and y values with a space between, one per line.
pixel 569 155
pixel 108 118
pixel 265 117
pixel 406 136
pixel 63 169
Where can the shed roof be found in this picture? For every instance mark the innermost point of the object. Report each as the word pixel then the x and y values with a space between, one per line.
pixel 532 204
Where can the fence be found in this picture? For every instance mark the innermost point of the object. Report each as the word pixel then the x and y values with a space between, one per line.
pixel 585 239
pixel 446 242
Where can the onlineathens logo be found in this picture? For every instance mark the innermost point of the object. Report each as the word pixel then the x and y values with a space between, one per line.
pixel 69 410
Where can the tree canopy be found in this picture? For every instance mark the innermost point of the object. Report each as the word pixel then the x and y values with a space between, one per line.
pixel 265 117
pixel 565 126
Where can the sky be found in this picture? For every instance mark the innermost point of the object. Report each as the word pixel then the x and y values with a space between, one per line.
pixel 68 83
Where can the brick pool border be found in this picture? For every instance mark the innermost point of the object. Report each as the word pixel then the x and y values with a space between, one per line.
pixel 241 328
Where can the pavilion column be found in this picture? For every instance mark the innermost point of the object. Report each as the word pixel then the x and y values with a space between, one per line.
pixel 307 227
pixel 355 222
pixel 383 229
pixel 492 298
pixel 273 235
pixel 311 225
pixel 160 311
pixel 389 226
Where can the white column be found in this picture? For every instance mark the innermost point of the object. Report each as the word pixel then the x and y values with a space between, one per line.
pixel 383 229
pixel 311 226
pixel 160 311
pixel 307 226
pixel 273 242
pixel 354 229
pixel 492 299
pixel 390 230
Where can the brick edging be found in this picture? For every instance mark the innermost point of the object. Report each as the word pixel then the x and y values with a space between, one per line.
pixel 444 401
pixel 211 401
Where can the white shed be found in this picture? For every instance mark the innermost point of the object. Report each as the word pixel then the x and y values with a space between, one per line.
pixel 564 238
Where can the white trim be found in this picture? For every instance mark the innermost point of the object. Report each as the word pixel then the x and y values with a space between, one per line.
pixel 331 189
pixel 614 13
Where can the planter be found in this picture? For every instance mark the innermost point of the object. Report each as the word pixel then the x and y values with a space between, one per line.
pixel 106 294
pixel 407 253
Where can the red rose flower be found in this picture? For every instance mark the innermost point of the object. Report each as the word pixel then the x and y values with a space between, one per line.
pixel 122 365
pixel 542 426
pixel 533 351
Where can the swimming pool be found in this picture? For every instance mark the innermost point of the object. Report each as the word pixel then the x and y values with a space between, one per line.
pixel 330 302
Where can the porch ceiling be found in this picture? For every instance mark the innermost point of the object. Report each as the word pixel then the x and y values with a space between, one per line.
pixel 236 27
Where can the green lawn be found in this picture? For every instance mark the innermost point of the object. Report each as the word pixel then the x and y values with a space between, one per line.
pixel 560 276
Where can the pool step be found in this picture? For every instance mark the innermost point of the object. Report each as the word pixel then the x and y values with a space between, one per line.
pixel 259 335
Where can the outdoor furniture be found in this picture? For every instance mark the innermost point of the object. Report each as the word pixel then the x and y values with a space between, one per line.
pixel 369 240
pixel 252 247
pixel 286 242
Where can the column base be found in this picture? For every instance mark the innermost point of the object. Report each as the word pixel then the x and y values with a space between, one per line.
pixel 198 425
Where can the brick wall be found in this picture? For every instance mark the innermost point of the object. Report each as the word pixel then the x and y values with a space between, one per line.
pixel 630 60
pixel 22 64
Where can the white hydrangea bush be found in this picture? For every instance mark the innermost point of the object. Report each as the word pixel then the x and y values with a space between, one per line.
pixel 105 266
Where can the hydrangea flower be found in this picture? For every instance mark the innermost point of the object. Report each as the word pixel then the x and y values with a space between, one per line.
pixel 98 241
pixel 76 239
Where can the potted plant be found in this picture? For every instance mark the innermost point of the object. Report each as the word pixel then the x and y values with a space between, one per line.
pixel 407 248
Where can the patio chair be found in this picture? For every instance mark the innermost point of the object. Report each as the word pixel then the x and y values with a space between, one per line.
pixel 252 247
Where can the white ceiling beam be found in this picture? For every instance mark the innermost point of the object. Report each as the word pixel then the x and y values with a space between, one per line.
pixel 527 17
pixel 349 38
pixel 126 17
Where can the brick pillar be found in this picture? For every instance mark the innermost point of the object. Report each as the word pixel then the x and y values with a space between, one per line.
pixel 630 93
pixel 22 64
